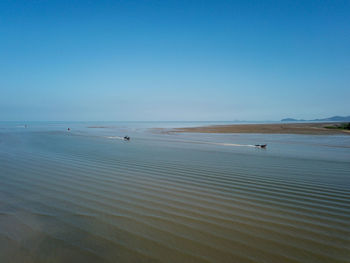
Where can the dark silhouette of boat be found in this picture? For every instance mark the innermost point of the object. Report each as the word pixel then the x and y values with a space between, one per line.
pixel 126 138
pixel 261 145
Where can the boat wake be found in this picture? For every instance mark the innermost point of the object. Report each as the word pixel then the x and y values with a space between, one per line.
pixel 214 143
pixel 233 144
pixel 115 137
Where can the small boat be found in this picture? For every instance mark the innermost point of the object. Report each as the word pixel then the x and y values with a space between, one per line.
pixel 126 138
pixel 261 145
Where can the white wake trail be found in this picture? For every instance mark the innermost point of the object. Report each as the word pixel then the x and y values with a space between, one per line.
pixel 115 137
pixel 231 144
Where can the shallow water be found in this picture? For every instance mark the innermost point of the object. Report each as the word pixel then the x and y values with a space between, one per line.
pixel 88 196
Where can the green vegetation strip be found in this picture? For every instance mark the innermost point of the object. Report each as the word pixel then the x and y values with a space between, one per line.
pixel 342 126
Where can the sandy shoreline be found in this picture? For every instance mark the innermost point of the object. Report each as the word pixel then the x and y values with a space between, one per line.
pixel 279 128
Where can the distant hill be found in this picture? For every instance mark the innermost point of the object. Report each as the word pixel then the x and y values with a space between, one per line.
pixel 334 118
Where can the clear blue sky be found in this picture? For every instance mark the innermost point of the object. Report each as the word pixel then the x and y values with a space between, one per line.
pixel 174 60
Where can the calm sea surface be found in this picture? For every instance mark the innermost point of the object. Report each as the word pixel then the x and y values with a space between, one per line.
pixel 86 195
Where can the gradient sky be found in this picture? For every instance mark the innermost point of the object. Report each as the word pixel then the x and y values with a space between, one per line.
pixel 174 60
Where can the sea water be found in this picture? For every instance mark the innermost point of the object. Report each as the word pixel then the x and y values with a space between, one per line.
pixel 86 195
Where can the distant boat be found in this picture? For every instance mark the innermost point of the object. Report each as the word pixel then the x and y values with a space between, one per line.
pixel 261 145
pixel 126 138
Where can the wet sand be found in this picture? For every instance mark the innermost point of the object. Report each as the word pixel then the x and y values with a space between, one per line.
pixel 280 128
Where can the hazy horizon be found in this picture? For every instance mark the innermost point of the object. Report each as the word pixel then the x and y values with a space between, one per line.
pixel 237 121
pixel 173 60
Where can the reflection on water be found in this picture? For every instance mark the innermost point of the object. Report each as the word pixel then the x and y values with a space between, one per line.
pixel 88 196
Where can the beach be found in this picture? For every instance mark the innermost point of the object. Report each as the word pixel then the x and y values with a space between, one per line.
pixel 276 128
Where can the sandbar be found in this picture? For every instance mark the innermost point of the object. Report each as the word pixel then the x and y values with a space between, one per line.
pixel 275 128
